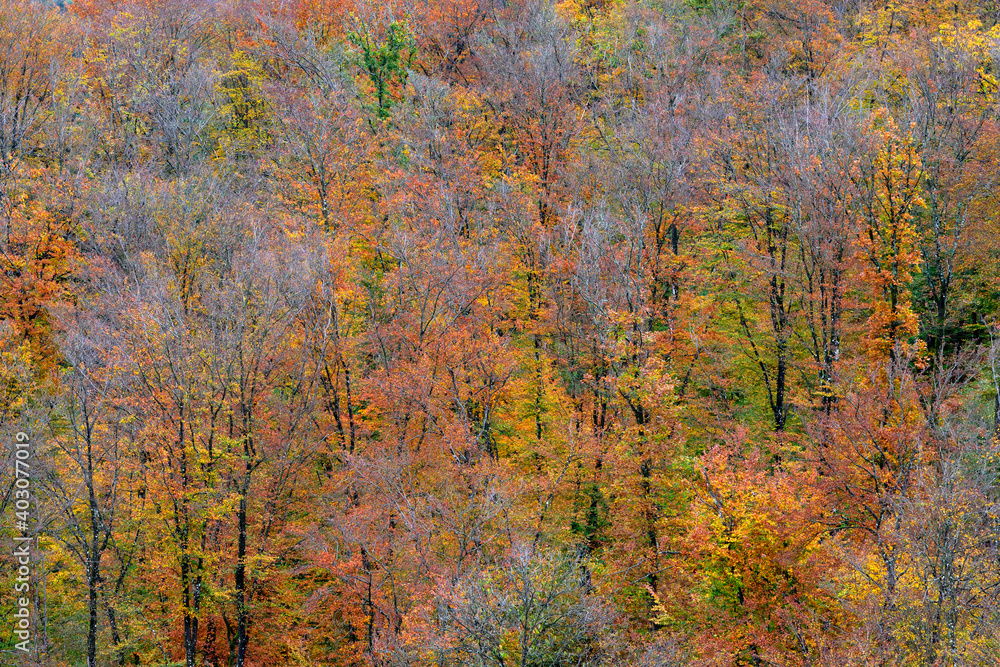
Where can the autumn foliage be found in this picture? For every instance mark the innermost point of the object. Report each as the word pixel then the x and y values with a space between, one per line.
pixel 598 332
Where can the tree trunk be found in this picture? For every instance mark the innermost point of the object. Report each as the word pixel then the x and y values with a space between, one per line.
pixel 242 602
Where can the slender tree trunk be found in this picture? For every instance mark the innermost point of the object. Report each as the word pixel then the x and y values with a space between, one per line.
pixel 780 415
pixel 94 560
pixel 116 637
pixel 350 407
pixel 242 601
pixel 996 414
pixel 93 581
pixel 368 604
pixel 190 618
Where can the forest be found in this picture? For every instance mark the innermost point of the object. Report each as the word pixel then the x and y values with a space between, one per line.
pixel 500 333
